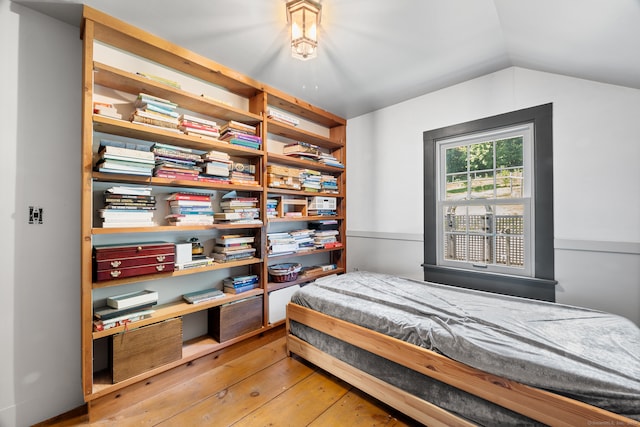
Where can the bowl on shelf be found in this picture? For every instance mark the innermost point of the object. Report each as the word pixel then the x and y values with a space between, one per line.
pixel 285 272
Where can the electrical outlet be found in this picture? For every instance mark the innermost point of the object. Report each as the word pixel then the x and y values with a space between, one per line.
pixel 35 215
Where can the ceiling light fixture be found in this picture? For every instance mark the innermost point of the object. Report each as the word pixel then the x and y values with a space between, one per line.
pixel 304 18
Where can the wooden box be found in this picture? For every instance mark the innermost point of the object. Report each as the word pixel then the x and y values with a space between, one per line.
pixel 139 350
pixel 283 171
pixel 236 318
pixel 112 262
pixel 283 181
pixel 291 207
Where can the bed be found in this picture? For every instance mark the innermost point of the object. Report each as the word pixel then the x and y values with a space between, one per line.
pixel 451 356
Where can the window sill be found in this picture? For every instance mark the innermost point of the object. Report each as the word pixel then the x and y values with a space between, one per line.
pixel 526 287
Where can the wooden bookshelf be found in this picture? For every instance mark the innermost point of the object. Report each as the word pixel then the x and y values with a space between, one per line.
pixel 103 76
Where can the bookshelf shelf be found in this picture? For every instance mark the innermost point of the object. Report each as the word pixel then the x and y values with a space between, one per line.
pixel 300 108
pixel 176 273
pixel 273 286
pixel 167 182
pixel 297 134
pixel 305 218
pixel 193 349
pixel 139 131
pixel 305 253
pixel 132 83
pixel 301 193
pixel 306 164
pixel 172 229
pixel 176 309
pixel 113 52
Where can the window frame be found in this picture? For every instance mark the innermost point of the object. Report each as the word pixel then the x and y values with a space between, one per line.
pixel 542 284
pixel 526 131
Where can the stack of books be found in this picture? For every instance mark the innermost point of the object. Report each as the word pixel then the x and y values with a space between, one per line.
pixel 304 238
pixel 326 239
pixel 233 247
pixel 311 180
pixel 159 79
pixel 243 174
pixel 272 208
pixel 123 309
pixel 329 160
pixel 176 162
pixel 239 284
pixel 203 295
pixel 128 207
pixel 153 111
pixel 189 208
pixel 312 270
pixel 329 184
pixel 240 134
pixel 237 208
pixel 106 109
pixel 302 150
pixel 281 117
pixel 281 243
pixel 196 126
pixel 114 157
pixel 216 167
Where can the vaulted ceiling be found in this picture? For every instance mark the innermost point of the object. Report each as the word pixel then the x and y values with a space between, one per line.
pixel 375 53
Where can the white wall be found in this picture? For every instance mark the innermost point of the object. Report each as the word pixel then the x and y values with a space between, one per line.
pixel 596 179
pixel 40 289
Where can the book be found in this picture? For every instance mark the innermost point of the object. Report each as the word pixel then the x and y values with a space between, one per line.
pixel 145 98
pixel 232 239
pixel 122 189
pixel 196 263
pixel 232 124
pixel 202 197
pixel 219 257
pixel 132 299
pixel 190 118
pixel 125 152
pixel 106 312
pixel 102 325
pixel 159 79
pixel 203 295
pixel 239 289
pixel 233 250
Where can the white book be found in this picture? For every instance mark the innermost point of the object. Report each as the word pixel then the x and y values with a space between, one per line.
pixel 132 299
pixel 127 152
pixel 138 191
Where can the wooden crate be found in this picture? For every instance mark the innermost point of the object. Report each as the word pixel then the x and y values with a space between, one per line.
pixel 236 318
pixel 136 351
pixel 292 207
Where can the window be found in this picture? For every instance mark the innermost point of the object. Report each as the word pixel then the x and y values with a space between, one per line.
pixel 484 199
pixel 489 204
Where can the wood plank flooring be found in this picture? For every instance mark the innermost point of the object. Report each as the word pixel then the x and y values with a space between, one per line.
pixel 263 387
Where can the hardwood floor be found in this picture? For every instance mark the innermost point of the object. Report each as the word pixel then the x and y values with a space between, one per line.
pixel 262 387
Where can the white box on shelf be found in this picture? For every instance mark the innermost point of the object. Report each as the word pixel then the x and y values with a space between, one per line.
pixel 323 203
pixel 132 299
pixel 278 302
pixel 183 253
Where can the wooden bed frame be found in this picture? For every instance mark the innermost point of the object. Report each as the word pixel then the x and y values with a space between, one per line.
pixel 540 405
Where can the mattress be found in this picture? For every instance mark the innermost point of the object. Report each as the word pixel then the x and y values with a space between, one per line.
pixel 581 353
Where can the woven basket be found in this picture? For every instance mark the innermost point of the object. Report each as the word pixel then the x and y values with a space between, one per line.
pixel 286 272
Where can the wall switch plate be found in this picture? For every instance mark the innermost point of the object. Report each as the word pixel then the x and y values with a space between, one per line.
pixel 35 215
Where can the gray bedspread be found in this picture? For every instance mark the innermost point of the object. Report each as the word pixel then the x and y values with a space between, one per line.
pixel 588 355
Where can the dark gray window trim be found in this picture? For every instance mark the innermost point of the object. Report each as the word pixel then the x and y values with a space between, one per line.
pixel 542 286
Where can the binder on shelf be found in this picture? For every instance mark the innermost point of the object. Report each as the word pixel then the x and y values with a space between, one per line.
pixel 132 299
